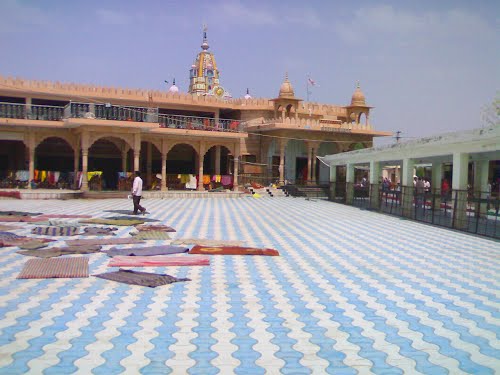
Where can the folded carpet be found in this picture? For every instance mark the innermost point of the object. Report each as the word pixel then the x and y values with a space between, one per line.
pixel 232 250
pixel 155 228
pixel 55 268
pixel 103 241
pixel 131 277
pixel 150 235
pixel 206 242
pixel 158 261
pixel 53 252
pixel 147 251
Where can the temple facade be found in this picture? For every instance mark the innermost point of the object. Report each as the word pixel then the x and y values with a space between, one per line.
pixel 68 135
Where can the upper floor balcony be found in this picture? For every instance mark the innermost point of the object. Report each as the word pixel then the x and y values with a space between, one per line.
pixel 106 111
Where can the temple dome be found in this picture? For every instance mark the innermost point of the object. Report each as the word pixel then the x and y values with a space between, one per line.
pixel 286 89
pixel 247 95
pixel 173 88
pixel 358 98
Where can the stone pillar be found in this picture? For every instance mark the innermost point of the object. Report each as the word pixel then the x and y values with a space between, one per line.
pixel 76 166
pixel 407 188
pixel 333 181
pixel 236 166
pixel 282 162
pixel 85 163
pixel 149 157
pixel 309 162
pixel 164 172
pixel 437 176
pixel 201 156
pixel 124 161
pixel 375 175
pixel 137 154
pixel 217 159
pixel 459 186
pixel 313 165
pixel 481 178
pixel 31 161
pixel 349 181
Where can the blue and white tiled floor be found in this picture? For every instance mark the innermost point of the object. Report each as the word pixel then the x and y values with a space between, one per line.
pixel 352 292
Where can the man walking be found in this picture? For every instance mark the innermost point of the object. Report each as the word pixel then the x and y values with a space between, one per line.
pixel 137 193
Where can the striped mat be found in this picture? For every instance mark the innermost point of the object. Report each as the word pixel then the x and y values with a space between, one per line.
pixel 232 250
pixel 55 268
pixel 150 235
pixel 55 231
pixel 159 261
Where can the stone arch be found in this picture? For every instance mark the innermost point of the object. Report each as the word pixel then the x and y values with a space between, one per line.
pixel 210 162
pixel 296 161
pixel 127 138
pixel 71 141
pixel 105 155
pixel 182 158
pixel 56 154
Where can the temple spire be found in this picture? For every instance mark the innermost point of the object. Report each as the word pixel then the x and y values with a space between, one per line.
pixel 204 45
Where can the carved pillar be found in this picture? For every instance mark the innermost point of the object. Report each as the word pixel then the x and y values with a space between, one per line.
pixel 236 165
pixel 163 171
pixel 313 165
pixel 137 151
pixel 217 159
pixel 85 163
pixel 201 154
pixel 149 157
pixel 309 161
pixel 31 158
pixel 85 144
pixel 282 161
pixel 124 160
pixel 76 165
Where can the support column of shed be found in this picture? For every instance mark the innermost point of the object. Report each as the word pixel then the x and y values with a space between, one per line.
pixel 407 188
pixel 236 166
pixel 481 189
pixel 349 181
pixel 437 176
pixel 459 186
pixel 282 162
pixel 375 173
pixel 201 156
pixel 333 181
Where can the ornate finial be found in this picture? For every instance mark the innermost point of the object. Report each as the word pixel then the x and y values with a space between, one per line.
pixel 248 91
pixel 357 84
pixel 204 45
pixel 174 82
pixel 286 76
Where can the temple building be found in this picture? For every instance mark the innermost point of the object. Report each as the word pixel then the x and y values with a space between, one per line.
pixel 68 135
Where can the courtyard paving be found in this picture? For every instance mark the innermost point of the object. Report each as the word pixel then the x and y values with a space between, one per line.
pixel 352 292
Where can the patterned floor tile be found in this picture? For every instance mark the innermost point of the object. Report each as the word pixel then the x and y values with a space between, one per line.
pixel 352 292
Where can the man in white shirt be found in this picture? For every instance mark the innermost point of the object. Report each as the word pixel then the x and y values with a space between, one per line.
pixel 137 193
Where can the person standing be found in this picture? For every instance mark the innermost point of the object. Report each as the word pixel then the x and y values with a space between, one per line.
pixel 137 193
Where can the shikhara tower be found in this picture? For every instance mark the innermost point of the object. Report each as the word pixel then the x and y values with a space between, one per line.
pixel 204 75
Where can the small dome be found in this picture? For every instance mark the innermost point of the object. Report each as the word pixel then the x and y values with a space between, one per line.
pixel 247 95
pixel 173 88
pixel 286 89
pixel 358 98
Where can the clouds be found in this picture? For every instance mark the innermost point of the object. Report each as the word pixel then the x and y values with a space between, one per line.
pixel 261 15
pixel 16 16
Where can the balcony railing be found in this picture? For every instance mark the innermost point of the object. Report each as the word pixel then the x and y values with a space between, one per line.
pixel 117 113
pixel 31 112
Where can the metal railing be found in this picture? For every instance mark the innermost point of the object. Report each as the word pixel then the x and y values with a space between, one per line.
pixel 31 112
pixel 103 111
pixel 468 211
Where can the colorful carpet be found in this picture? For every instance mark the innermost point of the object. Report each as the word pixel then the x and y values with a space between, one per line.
pixel 150 235
pixel 131 277
pixel 120 222
pixel 98 231
pixel 55 231
pixel 158 261
pixel 20 219
pixel 156 228
pixel 103 241
pixel 65 216
pixel 147 251
pixel 6 228
pixel 53 252
pixel 33 245
pixel 206 242
pixel 55 268
pixel 232 250
pixel 10 194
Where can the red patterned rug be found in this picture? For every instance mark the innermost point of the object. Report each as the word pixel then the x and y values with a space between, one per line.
pixel 55 268
pixel 232 250
pixel 158 261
